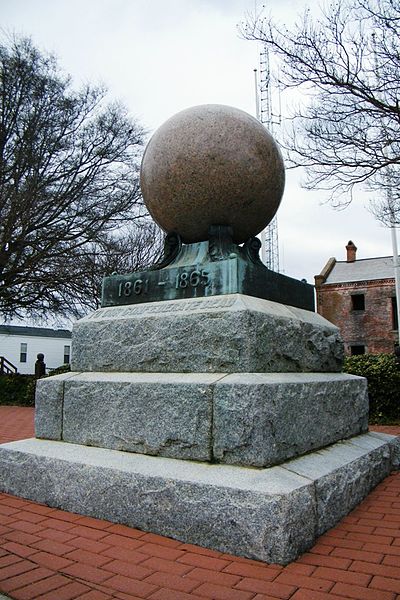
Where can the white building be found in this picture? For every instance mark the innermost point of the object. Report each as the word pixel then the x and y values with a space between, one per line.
pixel 21 345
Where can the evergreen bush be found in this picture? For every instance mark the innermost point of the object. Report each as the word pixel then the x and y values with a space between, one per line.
pixel 383 375
pixel 19 390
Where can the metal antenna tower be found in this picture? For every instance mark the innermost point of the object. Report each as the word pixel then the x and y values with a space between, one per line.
pixel 269 236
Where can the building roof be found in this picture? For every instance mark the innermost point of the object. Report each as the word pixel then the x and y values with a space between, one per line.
pixel 364 269
pixel 34 331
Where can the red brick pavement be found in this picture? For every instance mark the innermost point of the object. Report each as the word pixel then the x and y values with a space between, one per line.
pixel 49 554
pixel 16 423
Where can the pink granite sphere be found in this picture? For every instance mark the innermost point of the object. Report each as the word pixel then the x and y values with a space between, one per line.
pixel 212 165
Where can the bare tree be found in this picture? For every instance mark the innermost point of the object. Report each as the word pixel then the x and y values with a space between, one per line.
pixel 346 63
pixel 68 180
pixel 136 247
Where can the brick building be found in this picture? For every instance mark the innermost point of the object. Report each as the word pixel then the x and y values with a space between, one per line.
pixel 358 295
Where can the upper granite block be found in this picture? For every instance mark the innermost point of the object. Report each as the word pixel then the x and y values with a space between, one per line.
pixel 230 334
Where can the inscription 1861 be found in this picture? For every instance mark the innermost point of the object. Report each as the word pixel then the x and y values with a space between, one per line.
pixel 137 286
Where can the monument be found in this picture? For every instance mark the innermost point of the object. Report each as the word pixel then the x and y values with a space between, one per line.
pixel 206 400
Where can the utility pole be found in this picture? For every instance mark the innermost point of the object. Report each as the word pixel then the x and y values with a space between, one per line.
pixel 389 199
pixel 396 262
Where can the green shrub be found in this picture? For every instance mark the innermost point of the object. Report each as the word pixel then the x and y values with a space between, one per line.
pixel 59 370
pixel 383 377
pixel 17 390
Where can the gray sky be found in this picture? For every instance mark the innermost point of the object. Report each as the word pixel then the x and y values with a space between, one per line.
pixel 161 56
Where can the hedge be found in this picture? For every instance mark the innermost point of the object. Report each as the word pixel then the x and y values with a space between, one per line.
pixel 383 375
pixel 19 390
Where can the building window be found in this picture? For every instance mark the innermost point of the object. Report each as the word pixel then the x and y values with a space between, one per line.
pixel 67 355
pixel 23 352
pixel 358 301
pixel 360 349
pixel 395 324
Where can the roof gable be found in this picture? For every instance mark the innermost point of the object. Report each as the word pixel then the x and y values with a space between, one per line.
pixel 35 331
pixel 364 269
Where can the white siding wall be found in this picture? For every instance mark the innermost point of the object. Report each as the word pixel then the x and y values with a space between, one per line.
pixel 52 348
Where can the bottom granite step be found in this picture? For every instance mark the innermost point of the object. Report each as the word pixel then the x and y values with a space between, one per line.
pixel 271 514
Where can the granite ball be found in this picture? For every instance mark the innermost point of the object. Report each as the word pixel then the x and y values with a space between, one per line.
pixel 212 165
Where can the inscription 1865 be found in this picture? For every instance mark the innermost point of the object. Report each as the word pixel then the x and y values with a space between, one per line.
pixel 191 279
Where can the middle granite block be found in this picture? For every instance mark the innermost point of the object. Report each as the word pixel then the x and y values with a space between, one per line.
pixel 248 419
pixel 162 416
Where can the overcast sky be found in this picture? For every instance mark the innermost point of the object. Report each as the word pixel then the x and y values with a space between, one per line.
pixel 161 56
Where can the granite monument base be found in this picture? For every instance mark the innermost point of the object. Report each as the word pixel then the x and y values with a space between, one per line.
pixel 233 333
pixel 271 514
pixel 247 419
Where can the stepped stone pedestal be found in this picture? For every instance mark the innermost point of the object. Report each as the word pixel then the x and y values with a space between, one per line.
pixel 256 451
pixel 206 400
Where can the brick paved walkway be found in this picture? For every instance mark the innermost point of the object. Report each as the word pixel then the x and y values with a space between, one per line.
pixel 16 423
pixel 49 554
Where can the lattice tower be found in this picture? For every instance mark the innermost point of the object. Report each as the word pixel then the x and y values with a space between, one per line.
pixel 269 236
